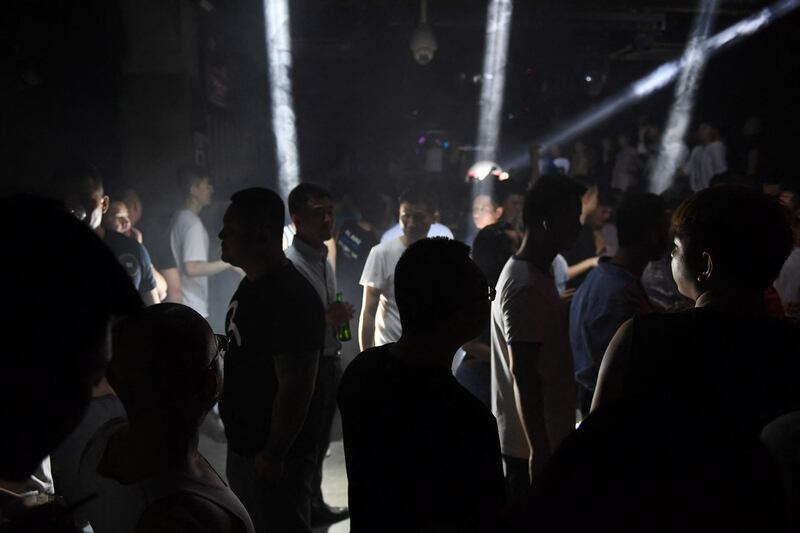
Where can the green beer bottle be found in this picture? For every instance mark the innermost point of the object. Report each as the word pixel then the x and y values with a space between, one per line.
pixel 343 334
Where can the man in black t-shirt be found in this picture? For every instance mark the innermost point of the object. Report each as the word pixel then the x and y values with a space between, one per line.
pixel 354 241
pixel 412 434
pixel 275 324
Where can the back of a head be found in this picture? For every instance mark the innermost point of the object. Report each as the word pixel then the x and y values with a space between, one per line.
pixel 262 208
pixel 431 279
pixel 746 231
pixel 303 193
pixel 638 216
pixel 160 359
pixel 60 291
pixel 548 196
pixel 491 249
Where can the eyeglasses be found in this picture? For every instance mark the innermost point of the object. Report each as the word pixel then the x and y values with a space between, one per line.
pixel 222 348
pixel 492 293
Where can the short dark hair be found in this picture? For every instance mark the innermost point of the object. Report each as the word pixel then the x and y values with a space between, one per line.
pixel 420 196
pixel 190 176
pixel 76 177
pixel 491 249
pixel 303 193
pixel 260 208
pixel 163 352
pixel 429 281
pixel 637 216
pixel 548 195
pixel 504 189
pixel 746 230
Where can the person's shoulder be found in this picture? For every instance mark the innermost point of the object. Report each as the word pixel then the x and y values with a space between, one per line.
pixel 119 242
pixel 360 373
pixel 188 513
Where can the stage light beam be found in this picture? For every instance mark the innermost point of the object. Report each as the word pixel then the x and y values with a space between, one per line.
pixel 279 55
pixel 693 63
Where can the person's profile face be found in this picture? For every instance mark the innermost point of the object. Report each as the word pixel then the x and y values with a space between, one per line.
pixel 416 220
pixel 316 219
pixel 95 204
pixel 484 212
pixel 682 271
pixel 233 237
pixel 203 191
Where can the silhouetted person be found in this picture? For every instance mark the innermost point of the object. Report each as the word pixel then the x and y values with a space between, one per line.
pixel 311 209
pixel 146 470
pixel 533 388
pixel 412 434
pixel 276 326
pixel 60 312
pixel 612 293
pixel 708 158
pixel 379 322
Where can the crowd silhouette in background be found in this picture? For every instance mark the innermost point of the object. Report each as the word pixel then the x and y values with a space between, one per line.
pixel 491 320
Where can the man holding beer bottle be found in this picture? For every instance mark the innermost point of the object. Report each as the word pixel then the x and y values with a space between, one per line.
pixel 311 209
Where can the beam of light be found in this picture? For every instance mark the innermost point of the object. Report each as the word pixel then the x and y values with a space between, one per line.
pixel 498 30
pixel 279 55
pixel 693 63
pixel 666 74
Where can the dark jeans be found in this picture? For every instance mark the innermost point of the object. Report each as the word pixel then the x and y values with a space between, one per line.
pixel 320 416
pixel 518 482
pixel 282 506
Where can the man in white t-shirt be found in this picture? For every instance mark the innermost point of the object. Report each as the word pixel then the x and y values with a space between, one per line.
pixel 379 322
pixel 707 159
pixel 533 388
pixel 189 241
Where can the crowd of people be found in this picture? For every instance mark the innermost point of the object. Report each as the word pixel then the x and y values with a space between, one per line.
pixel 663 327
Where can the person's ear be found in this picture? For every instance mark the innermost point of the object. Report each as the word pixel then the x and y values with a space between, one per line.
pixel 105 202
pixel 498 212
pixel 706 268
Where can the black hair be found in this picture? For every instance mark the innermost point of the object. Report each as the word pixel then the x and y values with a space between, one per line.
pixel 504 189
pixel 75 178
pixel 190 176
pixel 748 233
pixel 638 215
pixel 420 196
pixel 305 192
pixel 260 208
pixel 429 282
pixel 491 249
pixel 548 195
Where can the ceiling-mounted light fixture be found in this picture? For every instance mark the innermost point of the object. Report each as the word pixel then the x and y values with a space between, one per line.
pixel 423 41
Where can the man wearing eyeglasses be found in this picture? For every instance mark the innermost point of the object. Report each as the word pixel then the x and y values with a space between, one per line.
pixel 276 324
pixel 412 434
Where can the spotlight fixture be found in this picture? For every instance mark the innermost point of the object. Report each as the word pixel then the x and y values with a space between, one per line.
pixel 483 169
pixel 423 41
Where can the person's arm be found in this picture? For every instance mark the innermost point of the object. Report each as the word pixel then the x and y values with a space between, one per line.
pixel 524 366
pixel 151 297
pixel 479 350
pixel 196 269
pixel 173 279
pixel 296 374
pixel 573 271
pixel 161 285
pixel 366 322
pixel 610 380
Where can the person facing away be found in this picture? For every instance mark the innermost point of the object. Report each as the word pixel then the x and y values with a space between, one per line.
pixel 60 312
pixel 80 186
pixel 533 388
pixel 379 322
pixel 311 210
pixel 189 240
pixel 146 470
pixel 276 326
pixel 612 292
pixel 412 434
pixel 733 365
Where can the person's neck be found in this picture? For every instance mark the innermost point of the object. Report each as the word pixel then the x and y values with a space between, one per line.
pixel 150 446
pixel 537 250
pixel 632 259
pixel 193 205
pixel 264 265
pixel 425 350
pixel 734 301
pixel 314 243
pixel 408 241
